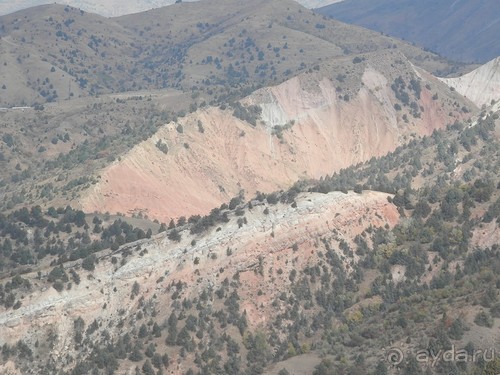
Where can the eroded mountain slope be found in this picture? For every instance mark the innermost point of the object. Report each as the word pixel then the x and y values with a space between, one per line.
pixel 309 126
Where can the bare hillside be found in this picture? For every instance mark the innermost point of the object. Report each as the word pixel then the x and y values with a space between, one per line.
pixel 308 126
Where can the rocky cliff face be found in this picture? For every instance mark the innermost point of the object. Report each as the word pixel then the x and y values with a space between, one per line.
pixel 481 86
pixel 264 243
pixel 309 127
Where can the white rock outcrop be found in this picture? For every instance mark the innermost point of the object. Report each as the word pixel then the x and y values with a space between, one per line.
pixel 481 86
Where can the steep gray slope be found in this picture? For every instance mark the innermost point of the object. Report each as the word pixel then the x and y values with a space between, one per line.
pixel 481 86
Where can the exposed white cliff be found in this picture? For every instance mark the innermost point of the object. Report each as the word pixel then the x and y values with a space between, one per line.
pixel 481 86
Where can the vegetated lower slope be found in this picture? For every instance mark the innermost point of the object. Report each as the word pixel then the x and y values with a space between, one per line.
pixel 460 30
pixel 340 112
pixel 481 86
pixel 304 272
pixel 56 52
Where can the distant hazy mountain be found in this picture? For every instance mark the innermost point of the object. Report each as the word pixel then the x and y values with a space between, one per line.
pixel 464 30
pixel 112 8
pixel 313 4
pixel 107 8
